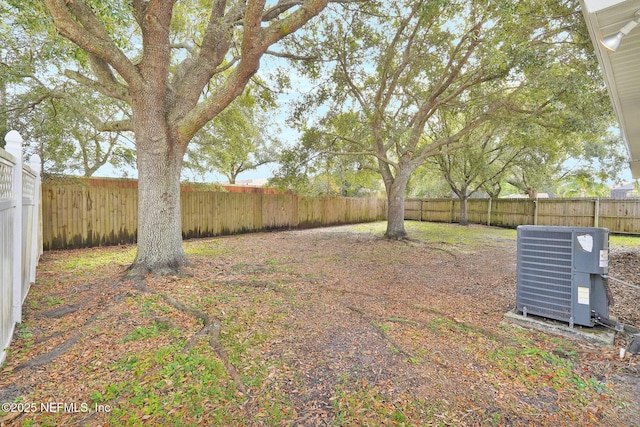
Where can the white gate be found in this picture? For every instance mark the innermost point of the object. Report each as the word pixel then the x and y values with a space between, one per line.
pixel 19 233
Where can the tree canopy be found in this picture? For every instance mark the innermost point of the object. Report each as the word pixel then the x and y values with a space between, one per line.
pixel 401 68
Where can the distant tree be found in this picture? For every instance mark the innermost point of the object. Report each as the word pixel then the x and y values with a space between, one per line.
pixel 239 139
pixel 397 65
pixel 428 182
pixel 567 158
pixel 507 144
pixel 582 185
pixel 312 167
pixel 486 155
pixel 59 120
pixel 603 159
pixel 63 127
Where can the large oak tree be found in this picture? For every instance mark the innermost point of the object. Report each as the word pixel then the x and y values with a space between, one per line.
pixel 398 65
pixel 178 64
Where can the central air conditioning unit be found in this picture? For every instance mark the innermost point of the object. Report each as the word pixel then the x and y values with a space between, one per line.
pixel 560 273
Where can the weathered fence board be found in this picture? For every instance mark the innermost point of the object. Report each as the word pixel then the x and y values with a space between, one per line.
pixel 618 215
pixel 309 212
pixel 511 213
pixel 439 210
pixel 478 211
pixel 577 212
pixel 88 213
pixel 413 209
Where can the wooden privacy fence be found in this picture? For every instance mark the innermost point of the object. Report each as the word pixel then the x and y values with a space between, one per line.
pixel 20 244
pixel 618 215
pixel 85 213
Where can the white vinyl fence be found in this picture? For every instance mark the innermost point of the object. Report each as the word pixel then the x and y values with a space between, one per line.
pixel 20 243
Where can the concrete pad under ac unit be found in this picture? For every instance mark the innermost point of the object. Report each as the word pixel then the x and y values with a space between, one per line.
pixel 598 335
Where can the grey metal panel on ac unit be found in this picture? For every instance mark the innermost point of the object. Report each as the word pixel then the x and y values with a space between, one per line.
pixel 559 273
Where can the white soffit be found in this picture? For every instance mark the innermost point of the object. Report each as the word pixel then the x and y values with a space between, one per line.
pixel 621 69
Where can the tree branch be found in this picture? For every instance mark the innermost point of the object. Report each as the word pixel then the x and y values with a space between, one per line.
pixel 156 55
pixel 279 8
pixel 292 56
pixel 77 22
pixel 255 42
pixel 112 89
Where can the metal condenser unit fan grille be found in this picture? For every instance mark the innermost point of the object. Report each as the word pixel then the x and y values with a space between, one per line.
pixel 560 273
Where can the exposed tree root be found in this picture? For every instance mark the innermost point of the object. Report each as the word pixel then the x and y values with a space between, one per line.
pixel 446 251
pixel 138 270
pixel 374 323
pixel 48 357
pixel 252 284
pixel 63 347
pixel 210 328
pixel 62 311
pixel 40 340
pixel 397 237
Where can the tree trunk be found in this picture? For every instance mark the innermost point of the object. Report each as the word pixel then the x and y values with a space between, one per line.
pixel 395 197
pixel 159 162
pixel 532 193
pixel 159 220
pixel 464 216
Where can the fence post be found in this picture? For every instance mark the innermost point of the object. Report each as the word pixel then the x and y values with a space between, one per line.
pixel 451 212
pixel 489 212
pixel 535 212
pixel 596 212
pixel 36 248
pixel 14 147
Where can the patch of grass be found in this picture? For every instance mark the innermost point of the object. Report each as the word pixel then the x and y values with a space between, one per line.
pixel 169 387
pixel 33 303
pixel 624 241
pixel 172 388
pixel 362 404
pixel 224 298
pixel 23 331
pixel 150 304
pixel 376 228
pixel 454 234
pixel 450 234
pixel 536 368
pixel 209 248
pixel 154 330
pixel 53 301
pixel 444 326
pixel 383 326
pixel 565 349
pixel 402 320
pixel 84 260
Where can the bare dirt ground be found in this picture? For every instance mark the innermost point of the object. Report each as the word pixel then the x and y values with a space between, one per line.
pixel 331 326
